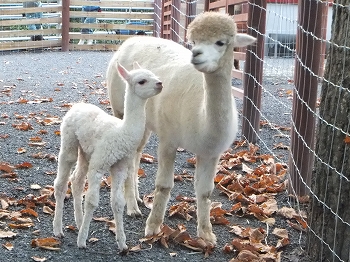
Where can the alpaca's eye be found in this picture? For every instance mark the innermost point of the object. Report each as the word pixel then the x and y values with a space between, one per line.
pixel 142 82
pixel 219 43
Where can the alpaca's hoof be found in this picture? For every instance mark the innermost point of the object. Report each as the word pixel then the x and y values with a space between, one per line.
pixel 58 233
pixel 151 230
pixel 81 243
pixel 208 236
pixel 124 251
pixel 135 212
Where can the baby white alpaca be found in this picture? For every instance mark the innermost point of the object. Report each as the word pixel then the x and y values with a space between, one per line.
pixel 98 143
pixel 196 110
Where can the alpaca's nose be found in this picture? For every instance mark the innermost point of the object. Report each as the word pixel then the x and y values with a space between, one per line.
pixel 196 52
pixel 159 85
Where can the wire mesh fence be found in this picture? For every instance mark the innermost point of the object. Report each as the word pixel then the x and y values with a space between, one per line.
pixel 303 105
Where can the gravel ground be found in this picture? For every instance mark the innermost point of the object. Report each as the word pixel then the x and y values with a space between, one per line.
pixel 78 76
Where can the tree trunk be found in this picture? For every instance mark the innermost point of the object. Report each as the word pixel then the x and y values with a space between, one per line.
pixel 329 237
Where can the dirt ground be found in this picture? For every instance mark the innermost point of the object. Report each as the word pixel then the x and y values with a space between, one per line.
pixel 36 88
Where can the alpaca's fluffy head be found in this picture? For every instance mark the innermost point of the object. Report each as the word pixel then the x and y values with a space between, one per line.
pixel 212 35
pixel 140 81
pixel 210 26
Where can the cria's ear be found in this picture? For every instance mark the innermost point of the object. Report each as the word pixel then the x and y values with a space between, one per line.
pixel 136 65
pixel 242 40
pixel 123 72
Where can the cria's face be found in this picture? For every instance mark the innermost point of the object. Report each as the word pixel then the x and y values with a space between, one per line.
pixel 147 86
pixel 206 55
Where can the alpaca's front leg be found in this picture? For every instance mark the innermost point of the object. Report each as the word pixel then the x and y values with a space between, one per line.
pixel 118 202
pixel 129 192
pixel 164 183
pixel 91 202
pixel 204 185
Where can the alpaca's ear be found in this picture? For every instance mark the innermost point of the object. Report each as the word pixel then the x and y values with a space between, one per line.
pixel 242 40
pixel 123 72
pixel 136 65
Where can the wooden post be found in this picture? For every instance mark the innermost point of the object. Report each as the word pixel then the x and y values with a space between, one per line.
pixel 65 25
pixel 175 20
pixel 307 65
pixel 254 70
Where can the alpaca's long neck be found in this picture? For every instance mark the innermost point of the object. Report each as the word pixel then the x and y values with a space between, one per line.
pixel 218 98
pixel 134 119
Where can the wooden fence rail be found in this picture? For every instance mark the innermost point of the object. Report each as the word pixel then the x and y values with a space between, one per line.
pixel 113 23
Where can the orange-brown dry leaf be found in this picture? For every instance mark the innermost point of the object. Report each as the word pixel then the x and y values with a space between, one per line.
pixel 6 167
pixel 147 158
pixel 21 225
pixel 218 177
pixel 45 242
pixel 246 255
pixel 141 173
pixel 287 212
pixel 219 220
pixel 301 221
pixel 192 160
pixel 8 246
pixel 282 243
pixel 280 232
pixel 347 139
pixel 236 207
pixel 35 139
pixel 21 150
pixel 148 200
pixel 185 198
pixel 24 165
pixel 29 211
pixel 295 226
pixel 227 248
pixel 71 227
pixel 182 209
pixel 24 126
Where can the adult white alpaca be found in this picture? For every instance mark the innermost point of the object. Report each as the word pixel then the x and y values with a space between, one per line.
pixel 195 111
pixel 99 143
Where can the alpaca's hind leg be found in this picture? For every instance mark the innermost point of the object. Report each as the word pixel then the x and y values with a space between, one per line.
pixel 129 189
pixel 204 185
pixel 78 183
pixel 91 202
pixel 66 159
pixel 164 183
pixel 118 201
pixel 131 183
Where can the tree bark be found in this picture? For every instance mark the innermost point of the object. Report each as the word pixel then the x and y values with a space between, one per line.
pixel 329 237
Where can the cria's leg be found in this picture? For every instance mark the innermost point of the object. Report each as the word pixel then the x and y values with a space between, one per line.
pixel 66 159
pixel 129 192
pixel 164 183
pixel 204 185
pixel 91 202
pixel 131 183
pixel 78 183
pixel 118 201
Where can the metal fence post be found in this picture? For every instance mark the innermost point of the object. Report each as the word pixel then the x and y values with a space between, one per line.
pixel 307 65
pixel 254 70
pixel 175 19
pixel 65 25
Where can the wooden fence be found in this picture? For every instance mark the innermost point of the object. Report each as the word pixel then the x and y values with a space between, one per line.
pixel 113 22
